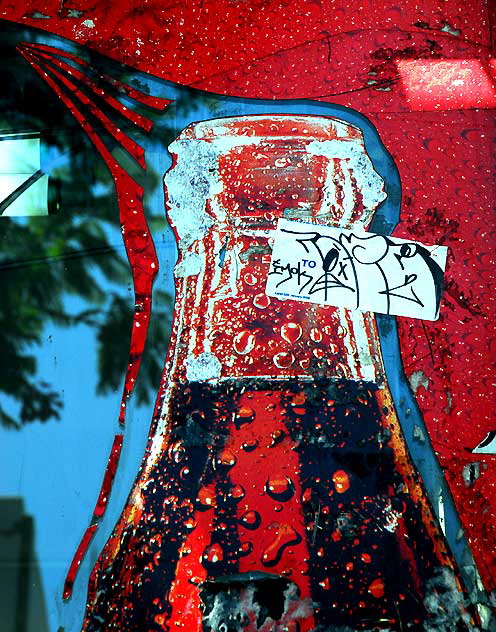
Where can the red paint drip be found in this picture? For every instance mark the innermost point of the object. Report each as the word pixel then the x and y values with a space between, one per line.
pixel 76 560
pixel 130 115
pixel 133 149
pixel 113 460
pixel 157 103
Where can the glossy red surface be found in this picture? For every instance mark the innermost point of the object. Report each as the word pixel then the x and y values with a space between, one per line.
pixel 76 561
pixel 113 461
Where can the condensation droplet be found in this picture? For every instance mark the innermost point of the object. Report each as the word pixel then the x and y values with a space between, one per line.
pixel 244 415
pixel 276 437
pixel 284 537
pixel 190 524
pixel 291 332
pixel 207 497
pixel 245 548
pixel 177 451
pixel 249 446
pixel 341 481
pixel 376 588
pixel 262 301
pixel 279 487
pixel 226 459
pixel 250 279
pixel 244 342
pixel 305 363
pixel 237 492
pixel 315 334
pixel 250 520
pixel 283 360
pixel 213 554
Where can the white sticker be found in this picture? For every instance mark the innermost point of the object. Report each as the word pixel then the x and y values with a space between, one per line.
pixel 357 270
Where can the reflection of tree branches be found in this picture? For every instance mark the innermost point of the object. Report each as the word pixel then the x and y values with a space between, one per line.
pixel 43 261
pixel 46 260
pixel 34 296
pixel 113 350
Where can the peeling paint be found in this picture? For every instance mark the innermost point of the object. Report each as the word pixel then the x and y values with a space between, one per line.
pixel 418 379
pixel 206 366
pixel 445 604
pixel 190 265
pixel 471 472
pixel 418 433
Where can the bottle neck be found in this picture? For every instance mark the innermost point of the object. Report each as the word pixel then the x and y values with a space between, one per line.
pixel 229 328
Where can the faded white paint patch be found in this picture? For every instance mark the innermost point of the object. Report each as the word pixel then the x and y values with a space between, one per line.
pixel 470 473
pixel 418 433
pixel 445 604
pixel 190 265
pixel 368 182
pixel 205 366
pixel 391 518
pixel 418 379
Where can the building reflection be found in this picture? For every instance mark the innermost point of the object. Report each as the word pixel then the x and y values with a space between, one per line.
pixel 22 603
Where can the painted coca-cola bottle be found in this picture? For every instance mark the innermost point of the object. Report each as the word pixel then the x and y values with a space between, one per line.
pixel 276 491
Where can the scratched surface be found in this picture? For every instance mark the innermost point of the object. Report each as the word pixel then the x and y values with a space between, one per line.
pixel 444 156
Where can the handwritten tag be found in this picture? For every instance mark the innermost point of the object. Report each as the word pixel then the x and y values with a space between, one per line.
pixel 357 270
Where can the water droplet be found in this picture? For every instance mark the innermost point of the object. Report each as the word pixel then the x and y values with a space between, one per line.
pixel 376 588
pixel 245 548
pixel 299 410
pixel 225 459
pixel 315 334
pixel 284 537
pixel 244 342
pixel 207 497
pixel 276 437
pixel 184 472
pixel 305 363
pixel 283 360
pixel 291 332
pixel 262 301
pixel 318 353
pixel 244 415
pixel 237 492
pixel 279 487
pixel 213 554
pixel 250 520
pixel 250 279
pixel 298 399
pixel 177 452
pixel 341 481
pixel 306 497
pixel 249 446
pixel 325 584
